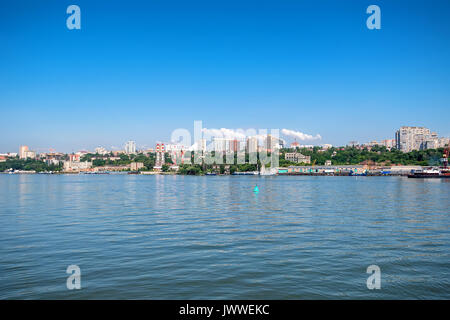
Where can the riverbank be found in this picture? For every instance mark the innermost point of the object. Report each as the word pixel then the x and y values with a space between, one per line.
pixel 344 170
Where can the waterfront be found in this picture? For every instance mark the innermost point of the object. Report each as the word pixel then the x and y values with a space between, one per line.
pixel 187 237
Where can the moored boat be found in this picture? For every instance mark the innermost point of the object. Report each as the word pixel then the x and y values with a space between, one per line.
pixel 426 173
pixel 434 172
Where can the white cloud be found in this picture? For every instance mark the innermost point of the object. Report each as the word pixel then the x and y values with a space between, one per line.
pixel 300 135
pixel 225 133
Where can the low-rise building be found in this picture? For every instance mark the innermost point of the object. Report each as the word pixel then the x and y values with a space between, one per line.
pixel 76 166
pixel 297 157
pixel 101 150
pixel 175 147
pixel 135 166
pixel 344 169
pixel 74 157
pixel 82 153
pixel 403 170
pixel 295 145
pixel 30 155
pixel 111 168
pixel 388 143
pixel 443 142
pixel 9 154
pixel 54 162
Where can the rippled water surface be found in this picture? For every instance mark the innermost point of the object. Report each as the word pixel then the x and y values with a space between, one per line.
pixel 182 237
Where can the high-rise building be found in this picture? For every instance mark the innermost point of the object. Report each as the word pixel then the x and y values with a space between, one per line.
pixel 408 139
pixel 235 145
pixel 200 145
pixel 252 144
pixel 25 153
pixel 130 147
pixel 219 144
pixel 271 143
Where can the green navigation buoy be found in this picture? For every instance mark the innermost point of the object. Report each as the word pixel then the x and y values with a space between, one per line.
pixel 256 190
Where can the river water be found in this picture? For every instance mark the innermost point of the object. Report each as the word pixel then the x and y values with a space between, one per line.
pixel 186 237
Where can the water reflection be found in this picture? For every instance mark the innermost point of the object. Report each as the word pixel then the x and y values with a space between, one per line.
pixel 213 237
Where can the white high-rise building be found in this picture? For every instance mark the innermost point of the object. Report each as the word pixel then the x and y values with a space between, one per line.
pixel 408 139
pixel 22 152
pixel 252 144
pixel 199 145
pixel 219 144
pixel 25 153
pixel 272 143
pixel 130 147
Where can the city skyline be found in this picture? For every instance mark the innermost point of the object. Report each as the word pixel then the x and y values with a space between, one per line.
pixel 139 74
pixel 407 138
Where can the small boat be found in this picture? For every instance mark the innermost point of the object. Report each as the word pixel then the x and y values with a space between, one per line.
pixel 357 174
pixel 430 173
pixel 245 173
pixel 434 172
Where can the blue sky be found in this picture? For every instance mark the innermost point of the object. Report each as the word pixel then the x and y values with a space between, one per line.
pixel 140 69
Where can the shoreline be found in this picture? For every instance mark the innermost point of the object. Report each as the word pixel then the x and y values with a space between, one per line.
pixel 206 175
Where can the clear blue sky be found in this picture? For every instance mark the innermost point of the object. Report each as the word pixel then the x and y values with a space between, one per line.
pixel 139 69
